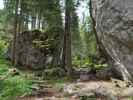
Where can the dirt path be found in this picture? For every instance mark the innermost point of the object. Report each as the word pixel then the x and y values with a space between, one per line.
pixel 47 94
pixel 113 90
pixel 115 87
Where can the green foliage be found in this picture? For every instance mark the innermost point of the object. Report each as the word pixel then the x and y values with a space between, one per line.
pixel 87 63
pixel 77 43
pixel 4 66
pixel 4 26
pixel 3 47
pixel 4 36
pixel 12 86
pixel 88 37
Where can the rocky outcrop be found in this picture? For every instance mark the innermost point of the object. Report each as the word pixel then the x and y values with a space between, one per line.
pixel 113 21
pixel 34 49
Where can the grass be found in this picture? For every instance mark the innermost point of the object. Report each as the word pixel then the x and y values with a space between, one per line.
pixel 12 86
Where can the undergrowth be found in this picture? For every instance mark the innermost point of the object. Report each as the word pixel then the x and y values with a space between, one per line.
pixel 88 63
pixel 12 87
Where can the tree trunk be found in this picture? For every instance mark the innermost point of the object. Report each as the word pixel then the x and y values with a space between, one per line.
pixel 113 24
pixel 39 20
pixel 15 33
pixel 26 23
pixel 20 17
pixel 43 24
pixel 67 40
pixel 33 22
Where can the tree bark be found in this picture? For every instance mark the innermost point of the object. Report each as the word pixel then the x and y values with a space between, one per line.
pixel 33 22
pixel 26 23
pixel 15 33
pixel 20 17
pixel 67 40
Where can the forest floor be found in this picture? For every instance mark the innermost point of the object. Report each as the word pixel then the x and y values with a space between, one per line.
pixel 104 90
pixel 25 86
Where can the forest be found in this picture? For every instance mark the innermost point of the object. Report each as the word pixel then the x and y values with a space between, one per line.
pixel 66 50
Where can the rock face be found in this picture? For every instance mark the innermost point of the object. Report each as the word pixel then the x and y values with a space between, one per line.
pixel 34 50
pixel 114 26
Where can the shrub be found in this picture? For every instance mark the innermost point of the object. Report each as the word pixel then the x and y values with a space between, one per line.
pixel 13 87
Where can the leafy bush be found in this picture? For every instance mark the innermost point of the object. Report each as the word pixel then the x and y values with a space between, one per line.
pixel 12 86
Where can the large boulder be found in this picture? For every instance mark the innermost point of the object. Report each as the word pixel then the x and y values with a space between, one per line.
pixel 113 20
pixel 34 49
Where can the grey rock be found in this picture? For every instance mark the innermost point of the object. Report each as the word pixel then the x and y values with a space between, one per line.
pixel 28 54
pixel 80 90
pixel 114 27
